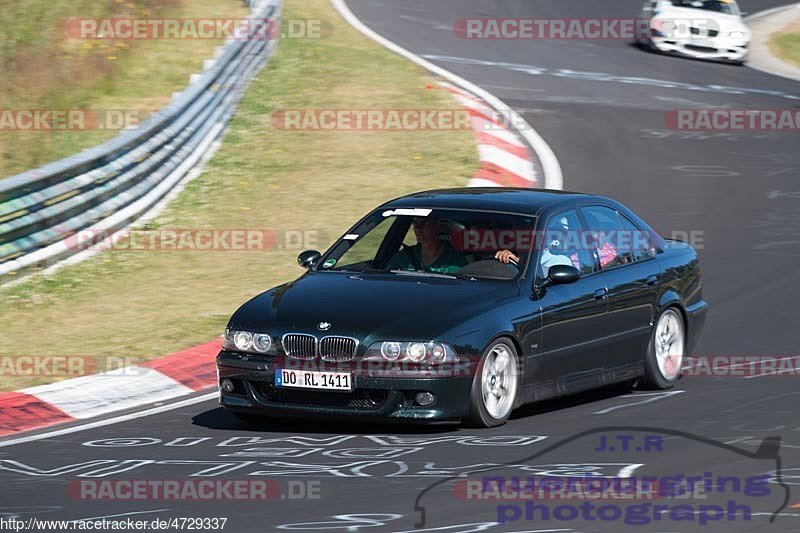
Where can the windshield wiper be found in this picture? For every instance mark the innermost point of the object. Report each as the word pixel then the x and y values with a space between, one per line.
pixel 432 274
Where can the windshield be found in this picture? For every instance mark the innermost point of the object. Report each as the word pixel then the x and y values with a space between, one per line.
pixel 727 7
pixel 435 242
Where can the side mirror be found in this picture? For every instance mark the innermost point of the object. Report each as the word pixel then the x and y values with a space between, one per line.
pixel 308 259
pixel 562 274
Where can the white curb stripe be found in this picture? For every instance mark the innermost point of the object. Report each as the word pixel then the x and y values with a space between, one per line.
pixel 480 182
pixel 485 126
pixel 99 394
pixel 507 160
pixel 470 103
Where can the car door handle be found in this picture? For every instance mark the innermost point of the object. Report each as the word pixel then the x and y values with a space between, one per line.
pixel 651 280
pixel 601 294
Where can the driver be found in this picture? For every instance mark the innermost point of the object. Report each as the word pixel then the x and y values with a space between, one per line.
pixel 430 253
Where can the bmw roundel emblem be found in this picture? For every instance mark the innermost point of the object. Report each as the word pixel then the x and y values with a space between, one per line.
pixel 324 326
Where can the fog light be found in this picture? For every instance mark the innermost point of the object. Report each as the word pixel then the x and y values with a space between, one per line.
pixel 424 398
pixel 227 385
pixel 270 391
pixel 376 397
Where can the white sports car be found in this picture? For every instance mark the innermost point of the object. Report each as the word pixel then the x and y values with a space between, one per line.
pixel 703 29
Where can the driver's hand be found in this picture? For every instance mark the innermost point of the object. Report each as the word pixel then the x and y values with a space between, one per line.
pixel 506 256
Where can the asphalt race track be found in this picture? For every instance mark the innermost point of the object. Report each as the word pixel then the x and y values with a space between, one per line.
pixel 600 105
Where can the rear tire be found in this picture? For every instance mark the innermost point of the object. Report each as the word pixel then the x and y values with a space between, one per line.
pixel 665 351
pixel 495 385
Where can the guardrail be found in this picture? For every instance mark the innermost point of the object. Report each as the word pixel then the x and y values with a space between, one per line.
pixel 109 186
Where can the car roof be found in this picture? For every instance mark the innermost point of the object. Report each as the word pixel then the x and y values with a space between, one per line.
pixel 502 199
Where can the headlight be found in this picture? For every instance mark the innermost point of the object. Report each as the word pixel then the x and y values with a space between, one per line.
pixel 415 352
pixel 736 35
pixel 262 343
pixel 391 351
pixel 437 353
pixel 661 28
pixel 245 341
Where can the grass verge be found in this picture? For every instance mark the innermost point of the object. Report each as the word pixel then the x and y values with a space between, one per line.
pixel 786 44
pixel 54 71
pixel 142 305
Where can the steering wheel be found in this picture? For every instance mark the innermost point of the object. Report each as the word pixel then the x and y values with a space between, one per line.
pixel 511 263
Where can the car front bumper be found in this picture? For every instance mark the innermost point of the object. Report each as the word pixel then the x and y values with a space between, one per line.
pixel 372 397
pixel 714 49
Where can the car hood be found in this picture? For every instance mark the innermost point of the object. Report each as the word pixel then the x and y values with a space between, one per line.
pixel 723 22
pixel 370 307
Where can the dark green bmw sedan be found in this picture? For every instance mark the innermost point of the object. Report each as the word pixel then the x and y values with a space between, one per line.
pixel 463 304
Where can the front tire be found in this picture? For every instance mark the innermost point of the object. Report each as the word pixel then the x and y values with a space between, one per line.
pixel 666 351
pixel 495 386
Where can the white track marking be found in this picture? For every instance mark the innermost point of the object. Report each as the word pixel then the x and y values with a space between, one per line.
pixel 652 397
pixel 110 421
pixel 118 515
pixel 553 178
pixel 771 373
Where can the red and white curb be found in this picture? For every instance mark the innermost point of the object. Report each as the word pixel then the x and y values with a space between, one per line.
pixel 505 160
pixel 161 379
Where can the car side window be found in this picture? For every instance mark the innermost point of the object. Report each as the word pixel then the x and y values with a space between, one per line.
pixel 639 240
pixel 617 240
pixel 562 244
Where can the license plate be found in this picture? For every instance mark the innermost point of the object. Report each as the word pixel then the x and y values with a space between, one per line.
pixel 312 379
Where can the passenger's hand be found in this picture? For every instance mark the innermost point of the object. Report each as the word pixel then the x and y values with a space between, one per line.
pixel 506 256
